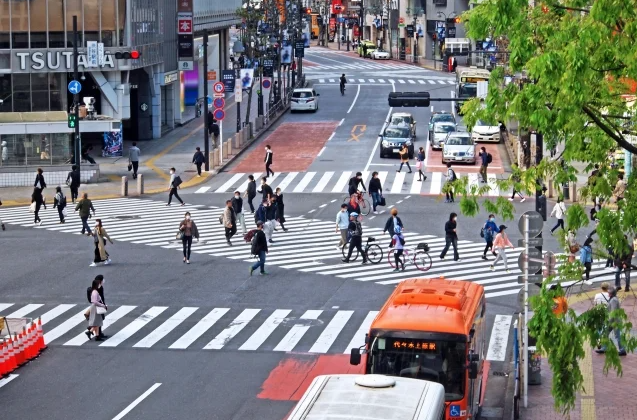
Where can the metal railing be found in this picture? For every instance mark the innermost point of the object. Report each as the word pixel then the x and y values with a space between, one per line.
pixel 276 107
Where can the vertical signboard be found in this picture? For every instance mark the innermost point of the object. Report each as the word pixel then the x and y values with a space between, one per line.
pixel 185 35
pixel 91 54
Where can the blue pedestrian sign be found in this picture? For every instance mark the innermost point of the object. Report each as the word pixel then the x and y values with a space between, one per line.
pixel 75 87
pixel 209 99
pixel 454 411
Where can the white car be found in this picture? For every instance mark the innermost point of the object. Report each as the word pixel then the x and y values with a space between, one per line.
pixel 380 55
pixel 304 99
pixel 438 134
pixel 483 132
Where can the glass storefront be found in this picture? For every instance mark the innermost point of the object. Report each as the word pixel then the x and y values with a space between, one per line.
pixel 35 149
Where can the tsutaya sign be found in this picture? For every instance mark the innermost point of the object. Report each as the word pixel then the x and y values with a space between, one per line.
pixel 45 61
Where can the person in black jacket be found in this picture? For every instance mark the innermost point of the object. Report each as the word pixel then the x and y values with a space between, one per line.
pixel 259 248
pixel 280 209
pixel 266 190
pixel 391 224
pixel 354 183
pixel 375 190
pixel 73 181
pixel 270 218
pixel 39 180
pixel 38 199
pixel 268 161
pixel 251 192
pixel 237 206
pixel 198 159
pixel 100 290
pixel 451 237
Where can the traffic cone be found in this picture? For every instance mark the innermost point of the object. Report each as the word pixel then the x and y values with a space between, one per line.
pixel 29 344
pixel 34 341
pixel 11 362
pixel 19 356
pixel 40 337
pixel 3 360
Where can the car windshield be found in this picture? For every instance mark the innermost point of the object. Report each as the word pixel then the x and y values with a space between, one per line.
pixel 444 128
pixel 459 141
pixel 397 132
pixel 443 118
pixel 302 94
pixel 469 90
pixel 400 120
pixel 438 361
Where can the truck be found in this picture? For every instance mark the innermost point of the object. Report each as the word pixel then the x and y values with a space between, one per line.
pixel 370 397
pixel 467 79
pixel 433 330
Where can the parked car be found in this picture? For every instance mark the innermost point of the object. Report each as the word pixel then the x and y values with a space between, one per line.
pixel 438 134
pixel 398 118
pixel 459 147
pixel 371 47
pixel 393 137
pixel 485 132
pixel 304 99
pixel 380 54
pixel 440 116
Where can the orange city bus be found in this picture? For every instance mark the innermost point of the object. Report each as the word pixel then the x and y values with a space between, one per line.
pixel 432 329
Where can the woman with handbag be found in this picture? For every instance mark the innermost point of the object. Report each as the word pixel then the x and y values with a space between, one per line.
pixel 187 230
pixel 99 238
pixel 420 164
pixel 98 308
pixel 37 201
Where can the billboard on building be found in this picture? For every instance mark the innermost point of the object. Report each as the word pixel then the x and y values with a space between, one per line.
pixel 113 143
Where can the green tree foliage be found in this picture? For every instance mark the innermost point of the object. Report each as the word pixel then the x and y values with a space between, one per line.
pixel 570 66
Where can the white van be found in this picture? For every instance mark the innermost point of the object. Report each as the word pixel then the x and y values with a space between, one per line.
pixel 371 397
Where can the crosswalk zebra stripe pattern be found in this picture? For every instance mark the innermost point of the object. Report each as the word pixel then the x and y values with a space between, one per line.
pixel 337 182
pixel 174 328
pixel 324 80
pixel 157 224
pixel 372 65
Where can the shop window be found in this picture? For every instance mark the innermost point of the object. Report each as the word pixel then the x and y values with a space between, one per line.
pixel 5 93
pixel 20 39
pixel 39 92
pixel 38 39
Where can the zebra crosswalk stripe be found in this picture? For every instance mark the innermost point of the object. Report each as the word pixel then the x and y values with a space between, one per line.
pixel 164 329
pixel 199 329
pixel 232 330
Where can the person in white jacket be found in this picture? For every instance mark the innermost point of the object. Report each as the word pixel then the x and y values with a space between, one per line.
pixel 5 151
pixel 559 211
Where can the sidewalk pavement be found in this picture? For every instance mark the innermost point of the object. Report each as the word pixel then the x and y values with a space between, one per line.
pixel 175 149
pixel 605 397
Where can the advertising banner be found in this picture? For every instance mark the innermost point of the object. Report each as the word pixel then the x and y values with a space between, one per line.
pixel 286 54
pixel 113 143
pixel 247 77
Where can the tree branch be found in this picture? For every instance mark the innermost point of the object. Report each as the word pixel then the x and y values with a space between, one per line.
pixel 621 67
pixel 619 139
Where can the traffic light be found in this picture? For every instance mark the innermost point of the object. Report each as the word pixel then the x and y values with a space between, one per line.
pixel 72 120
pixel 134 55
pixel 456 19
pixel 408 99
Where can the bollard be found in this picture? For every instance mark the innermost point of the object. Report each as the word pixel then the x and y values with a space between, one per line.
pixel 140 184
pixel 573 192
pixel 236 142
pixel 124 186
pixel 229 147
pixel 244 135
pixel 224 150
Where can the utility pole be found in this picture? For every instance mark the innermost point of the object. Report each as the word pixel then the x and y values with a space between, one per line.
pixel 206 134
pixel 238 104
pixel 361 13
pixel 77 145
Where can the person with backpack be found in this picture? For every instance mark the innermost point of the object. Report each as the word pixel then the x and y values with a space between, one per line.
pixel 173 184
pixel 398 243
pixel 87 314
pixel 488 232
pixel 187 231
pixel 515 179
pixel 486 159
pixel 198 159
pixel 259 248
pixel 450 178
pixel 559 211
pixel 613 305
pixel 356 238
pixel 73 181
pixel 85 206
pixel 500 243
pixel 390 225
pixel 586 257
pixel 451 237
pixel 229 221
pixel 59 202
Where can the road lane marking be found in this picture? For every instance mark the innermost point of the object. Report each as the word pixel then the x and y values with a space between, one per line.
pixel 202 190
pixel 321 80
pixel 323 182
pixel 199 329
pixel 111 318
pixel 331 332
pixel 25 310
pixel 381 80
pixel 64 327
pixel 411 82
pixel 371 81
pixel 139 323
pixel 499 338
pixel 55 312
pixel 359 337
pixel 297 332
pixel 401 81
pixel 235 327
pixel 341 122
pixel 304 182
pixel 136 402
pixel 436 183
pixel 322 150
pixel 371 156
pixel 8 379
pixel 244 186
pixel 442 82
pixel 398 183
pixel 360 129
pixel 265 330
pixel 331 136
pixel 415 185
pixel 422 82
pixel 382 176
pixel 342 182
pixel 287 180
pixel 165 328
pixel 332 80
pixel 355 98
pixel 228 184
pixel 431 82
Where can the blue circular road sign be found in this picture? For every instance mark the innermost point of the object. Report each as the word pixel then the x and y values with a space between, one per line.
pixel 209 100
pixel 266 84
pixel 219 102
pixel 75 87
pixel 219 114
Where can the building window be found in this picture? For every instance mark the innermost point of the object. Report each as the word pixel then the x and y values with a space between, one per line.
pixel 37 23
pixel 5 24
pixel 21 93
pixel 39 92
pixel 5 93
pixel 57 93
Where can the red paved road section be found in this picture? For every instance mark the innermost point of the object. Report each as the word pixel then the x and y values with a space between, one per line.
pixel 295 147
pixel 308 63
pixel 294 374
pixel 434 161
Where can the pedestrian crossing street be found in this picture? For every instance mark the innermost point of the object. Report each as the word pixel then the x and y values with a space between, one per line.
pixel 156 225
pixel 377 81
pixel 361 65
pixel 337 182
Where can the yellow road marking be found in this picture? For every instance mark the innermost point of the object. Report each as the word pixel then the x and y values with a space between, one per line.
pixel 357 131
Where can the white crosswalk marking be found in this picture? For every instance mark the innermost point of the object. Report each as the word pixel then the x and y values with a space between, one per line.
pixel 415 185
pixel 495 191
pixel 164 329
pixel 110 320
pixel 55 312
pixel 382 176
pixel 436 183
pixel 342 182
pixel 332 81
pixel 128 331
pixel 431 82
pixel 24 311
pixel 199 329
pixel 401 81
pixel 265 330
pixel 381 80
pixel 422 82
pixel 287 180
pixel 4 306
pixel 371 81
pixel 232 181
pixel 297 332
pixel 203 190
pixel 320 186
pixel 398 183
pixel 359 338
pixel 330 333
pixel 232 330
pixel 411 82
pixel 321 80
pixel 304 182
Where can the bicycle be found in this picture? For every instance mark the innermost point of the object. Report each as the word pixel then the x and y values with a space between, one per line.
pixel 363 203
pixel 418 256
pixel 374 252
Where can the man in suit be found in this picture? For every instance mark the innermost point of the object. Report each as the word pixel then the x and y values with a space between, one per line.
pixel 268 161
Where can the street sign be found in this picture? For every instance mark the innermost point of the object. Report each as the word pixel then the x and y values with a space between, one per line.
pixel 532 242
pixel 549 264
pixel 186 65
pixel 184 23
pixel 92 59
pixel 219 102
pixel 266 83
pixel 218 87
pixel 228 80
pixel 75 87
pixel 299 48
pixel 219 114
pixel 212 76
pixel 209 100
pixel 532 258
pixel 238 91
pixel 535 223
pixel 531 278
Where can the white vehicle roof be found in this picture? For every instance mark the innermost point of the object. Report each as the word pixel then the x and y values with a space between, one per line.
pixel 401 114
pixel 303 89
pixel 370 397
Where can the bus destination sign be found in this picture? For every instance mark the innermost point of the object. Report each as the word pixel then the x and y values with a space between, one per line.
pixel 412 344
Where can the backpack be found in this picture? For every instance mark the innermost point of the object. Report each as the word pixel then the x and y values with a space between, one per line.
pixel 177 181
pixel 248 236
pixel 253 243
pixel 489 158
pixel 221 219
pixel 62 201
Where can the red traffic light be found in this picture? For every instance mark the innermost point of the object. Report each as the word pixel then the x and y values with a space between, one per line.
pixel 135 54
pixel 457 19
pixel 308 11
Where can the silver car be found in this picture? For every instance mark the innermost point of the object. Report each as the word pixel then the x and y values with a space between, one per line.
pixel 439 133
pixel 459 147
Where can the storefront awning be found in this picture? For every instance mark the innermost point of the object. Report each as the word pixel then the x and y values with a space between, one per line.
pixel 52 122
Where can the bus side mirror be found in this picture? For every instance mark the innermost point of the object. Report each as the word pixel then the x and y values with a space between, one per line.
pixel 366 338
pixel 473 370
pixel 355 357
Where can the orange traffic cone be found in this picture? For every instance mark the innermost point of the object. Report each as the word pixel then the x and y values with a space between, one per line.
pixel 40 337
pixel 11 362
pixel 19 356
pixel 28 345
pixel 3 360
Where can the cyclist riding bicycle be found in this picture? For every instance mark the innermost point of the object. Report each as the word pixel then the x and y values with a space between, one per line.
pixel 343 81
pixel 354 182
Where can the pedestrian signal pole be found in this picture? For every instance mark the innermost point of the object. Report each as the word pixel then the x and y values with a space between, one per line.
pixel 77 142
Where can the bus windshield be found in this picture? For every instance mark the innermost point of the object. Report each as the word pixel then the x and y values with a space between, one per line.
pixel 468 90
pixel 432 360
